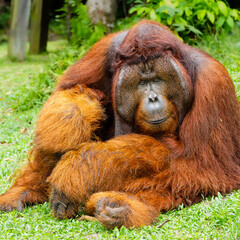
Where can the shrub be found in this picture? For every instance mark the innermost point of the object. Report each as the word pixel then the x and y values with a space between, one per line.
pixel 4 17
pixel 189 18
pixel 41 85
pixel 83 33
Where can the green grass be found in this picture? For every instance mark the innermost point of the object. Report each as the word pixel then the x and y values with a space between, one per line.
pixel 214 218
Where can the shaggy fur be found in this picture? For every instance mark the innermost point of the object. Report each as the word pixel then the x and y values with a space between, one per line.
pixel 128 180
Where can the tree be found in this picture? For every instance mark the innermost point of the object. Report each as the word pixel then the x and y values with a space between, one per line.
pixel 17 44
pixel 39 25
pixel 102 11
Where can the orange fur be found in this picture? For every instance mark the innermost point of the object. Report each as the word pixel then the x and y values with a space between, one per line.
pixel 30 186
pixel 135 214
pixel 67 119
pixel 81 173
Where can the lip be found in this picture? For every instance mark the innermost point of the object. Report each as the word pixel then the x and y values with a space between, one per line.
pixel 159 120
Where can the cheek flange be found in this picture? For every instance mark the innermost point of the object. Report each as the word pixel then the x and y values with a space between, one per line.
pixel 126 96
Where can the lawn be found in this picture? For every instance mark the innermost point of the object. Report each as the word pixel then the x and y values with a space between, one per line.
pixel 213 218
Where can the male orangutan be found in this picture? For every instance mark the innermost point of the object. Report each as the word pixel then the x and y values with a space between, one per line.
pixel 141 124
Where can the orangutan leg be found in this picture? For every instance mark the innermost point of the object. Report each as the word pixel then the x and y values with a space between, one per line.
pixel 67 119
pixel 30 186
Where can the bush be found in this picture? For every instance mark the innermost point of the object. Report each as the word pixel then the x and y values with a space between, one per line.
pixel 189 18
pixel 83 33
pixel 4 22
pixel 4 17
pixel 42 84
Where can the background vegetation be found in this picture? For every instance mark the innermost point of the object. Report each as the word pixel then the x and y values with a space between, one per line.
pixel 24 86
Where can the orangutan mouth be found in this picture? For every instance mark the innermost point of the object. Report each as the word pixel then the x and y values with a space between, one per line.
pixel 159 120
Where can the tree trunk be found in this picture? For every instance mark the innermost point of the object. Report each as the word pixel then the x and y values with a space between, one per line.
pixel 102 11
pixel 17 44
pixel 68 21
pixel 2 4
pixel 39 26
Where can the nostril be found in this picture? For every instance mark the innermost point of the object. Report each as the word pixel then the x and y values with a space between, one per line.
pixel 153 98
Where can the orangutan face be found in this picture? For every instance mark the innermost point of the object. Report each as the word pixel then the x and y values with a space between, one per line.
pixel 153 95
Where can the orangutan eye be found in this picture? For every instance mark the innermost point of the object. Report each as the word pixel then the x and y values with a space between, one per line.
pixel 157 80
pixel 142 82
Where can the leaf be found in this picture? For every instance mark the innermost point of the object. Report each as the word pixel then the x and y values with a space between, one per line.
pixel 179 28
pixel 132 10
pixel 188 12
pixel 161 9
pixel 180 20
pixel 211 17
pixel 201 14
pixel 168 2
pixel 137 8
pixel 140 2
pixel 230 22
pixel 23 130
pixel 220 22
pixel 194 30
pixel 235 13
pixel 171 11
pixel 222 7
pixel 166 9
pixel 158 18
pixel 169 20
pixel 143 10
pixel 153 15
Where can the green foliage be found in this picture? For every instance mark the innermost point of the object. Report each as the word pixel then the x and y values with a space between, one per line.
pixel 3 37
pixel 41 85
pixel 83 33
pixel 4 17
pixel 27 96
pixel 4 20
pixel 126 23
pixel 189 18
pixel 57 28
